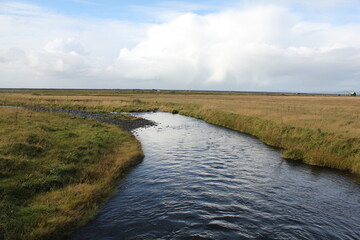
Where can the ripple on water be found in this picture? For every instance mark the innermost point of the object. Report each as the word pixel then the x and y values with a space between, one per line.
pixel 199 181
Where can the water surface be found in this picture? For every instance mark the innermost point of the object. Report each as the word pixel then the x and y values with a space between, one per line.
pixel 200 181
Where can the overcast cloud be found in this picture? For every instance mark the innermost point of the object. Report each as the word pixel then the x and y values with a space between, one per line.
pixel 262 47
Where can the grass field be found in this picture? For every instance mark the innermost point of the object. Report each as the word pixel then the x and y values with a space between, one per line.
pixel 45 190
pixel 56 170
pixel 319 130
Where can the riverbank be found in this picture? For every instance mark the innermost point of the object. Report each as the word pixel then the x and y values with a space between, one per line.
pixel 123 121
pixel 199 180
pixel 311 147
pixel 57 169
pixel 318 130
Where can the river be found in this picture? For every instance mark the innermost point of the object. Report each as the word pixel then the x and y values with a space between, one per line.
pixel 200 181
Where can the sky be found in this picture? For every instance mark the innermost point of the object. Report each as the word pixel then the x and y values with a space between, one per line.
pixel 246 45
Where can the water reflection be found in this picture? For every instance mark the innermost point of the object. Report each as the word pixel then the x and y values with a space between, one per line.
pixel 199 181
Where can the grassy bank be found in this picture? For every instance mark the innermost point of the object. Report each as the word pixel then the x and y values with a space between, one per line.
pixel 319 130
pixel 314 147
pixel 56 170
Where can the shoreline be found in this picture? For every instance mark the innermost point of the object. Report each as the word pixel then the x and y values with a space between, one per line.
pixel 312 147
pixel 109 118
pixel 273 137
pixel 56 211
pixel 264 131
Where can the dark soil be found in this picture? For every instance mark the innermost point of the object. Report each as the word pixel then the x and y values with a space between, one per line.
pixel 110 118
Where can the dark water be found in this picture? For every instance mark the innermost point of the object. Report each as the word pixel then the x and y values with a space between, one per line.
pixel 199 181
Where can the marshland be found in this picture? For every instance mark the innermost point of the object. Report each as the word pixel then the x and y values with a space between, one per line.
pixel 58 169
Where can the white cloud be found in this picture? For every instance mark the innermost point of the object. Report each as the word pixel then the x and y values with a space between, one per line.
pixel 262 47
pixel 168 10
pixel 265 47
pixel 57 50
pixel 65 46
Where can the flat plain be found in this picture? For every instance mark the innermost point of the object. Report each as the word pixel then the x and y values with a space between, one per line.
pixel 316 129
pixel 320 130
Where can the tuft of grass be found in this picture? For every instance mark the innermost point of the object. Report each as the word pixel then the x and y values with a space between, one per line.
pixel 56 170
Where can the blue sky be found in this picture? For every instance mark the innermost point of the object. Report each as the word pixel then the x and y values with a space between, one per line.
pixel 135 10
pixel 141 10
pixel 256 45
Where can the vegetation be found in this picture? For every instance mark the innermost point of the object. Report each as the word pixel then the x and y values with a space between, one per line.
pixel 56 170
pixel 319 130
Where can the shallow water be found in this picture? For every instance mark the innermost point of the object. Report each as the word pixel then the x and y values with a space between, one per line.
pixel 200 181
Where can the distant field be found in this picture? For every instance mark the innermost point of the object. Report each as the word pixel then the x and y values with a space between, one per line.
pixel 320 130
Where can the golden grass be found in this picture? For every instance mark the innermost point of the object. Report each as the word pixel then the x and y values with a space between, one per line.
pixel 338 114
pixel 321 130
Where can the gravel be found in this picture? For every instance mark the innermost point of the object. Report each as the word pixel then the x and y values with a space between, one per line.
pixel 128 125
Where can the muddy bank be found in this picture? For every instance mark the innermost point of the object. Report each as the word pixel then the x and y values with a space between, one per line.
pixel 110 118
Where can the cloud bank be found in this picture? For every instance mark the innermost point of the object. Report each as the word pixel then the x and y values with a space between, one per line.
pixel 260 48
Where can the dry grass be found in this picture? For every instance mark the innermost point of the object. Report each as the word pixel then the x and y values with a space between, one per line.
pixel 321 130
pixel 337 114
pixel 328 113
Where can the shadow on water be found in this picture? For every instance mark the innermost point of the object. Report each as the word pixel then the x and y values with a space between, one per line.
pixel 200 181
pixel 317 171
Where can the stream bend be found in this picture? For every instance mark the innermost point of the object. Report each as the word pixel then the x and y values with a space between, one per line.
pixel 200 181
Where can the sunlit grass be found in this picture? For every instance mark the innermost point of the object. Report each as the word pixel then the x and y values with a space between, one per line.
pixel 56 170
pixel 320 130
pixel 45 189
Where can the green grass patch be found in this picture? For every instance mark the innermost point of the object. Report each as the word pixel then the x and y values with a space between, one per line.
pixel 56 170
